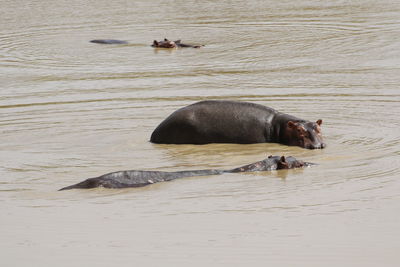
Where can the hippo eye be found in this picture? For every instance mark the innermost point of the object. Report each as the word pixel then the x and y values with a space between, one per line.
pixel 316 127
pixel 300 130
pixel 306 134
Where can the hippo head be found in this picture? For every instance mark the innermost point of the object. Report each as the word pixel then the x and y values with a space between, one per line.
pixel 164 44
pixel 305 134
pixel 288 163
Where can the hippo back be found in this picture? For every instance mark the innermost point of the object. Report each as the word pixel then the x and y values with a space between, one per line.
pixel 216 122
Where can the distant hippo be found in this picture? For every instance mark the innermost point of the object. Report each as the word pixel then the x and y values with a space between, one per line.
pixel 108 41
pixel 157 44
pixel 236 122
pixel 124 179
pixel 172 44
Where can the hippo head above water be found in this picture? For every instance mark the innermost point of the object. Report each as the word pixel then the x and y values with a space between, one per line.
pixel 305 134
pixel 164 44
pixel 273 163
pixel 172 44
pixel 290 163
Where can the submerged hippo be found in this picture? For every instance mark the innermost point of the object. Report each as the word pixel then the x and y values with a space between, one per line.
pixel 172 44
pixel 108 41
pixel 157 44
pixel 124 179
pixel 236 122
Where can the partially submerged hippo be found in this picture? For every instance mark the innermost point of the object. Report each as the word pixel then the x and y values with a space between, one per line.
pixel 157 44
pixel 236 122
pixel 172 44
pixel 124 179
pixel 108 41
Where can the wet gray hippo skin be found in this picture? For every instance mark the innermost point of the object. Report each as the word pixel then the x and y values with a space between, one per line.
pixel 134 178
pixel 236 122
pixel 157 44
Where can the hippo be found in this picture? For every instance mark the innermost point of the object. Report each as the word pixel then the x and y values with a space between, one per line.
pixel 157 44
pixel 172 44
pixel 108 41
pixel 221 121
pixel 137 178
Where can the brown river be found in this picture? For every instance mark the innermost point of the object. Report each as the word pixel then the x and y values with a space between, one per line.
pixel 71 109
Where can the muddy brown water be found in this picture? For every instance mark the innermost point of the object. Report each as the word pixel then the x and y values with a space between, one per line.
pixel 70 110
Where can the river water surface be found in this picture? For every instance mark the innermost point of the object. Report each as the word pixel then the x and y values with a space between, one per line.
pixel 71 109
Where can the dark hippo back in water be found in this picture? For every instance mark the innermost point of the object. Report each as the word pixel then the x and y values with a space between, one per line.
pixel 108 41
pixel 135 178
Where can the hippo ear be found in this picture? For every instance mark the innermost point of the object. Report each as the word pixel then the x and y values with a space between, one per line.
pixel 166 40
pixel 282 164
pixel 155 42
pixel 319 122
pixel 291 124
